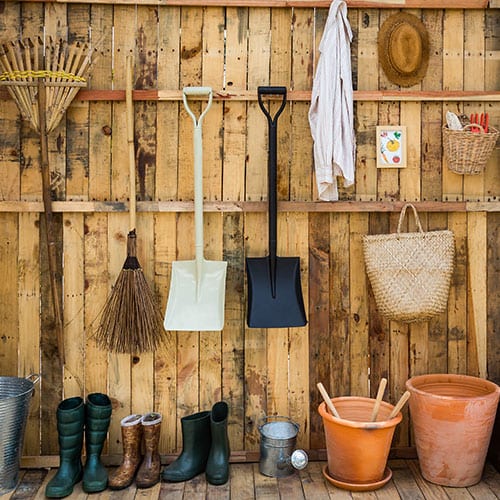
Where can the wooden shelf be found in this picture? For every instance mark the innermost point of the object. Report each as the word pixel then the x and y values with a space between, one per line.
pixel 251 206
pixel 380 4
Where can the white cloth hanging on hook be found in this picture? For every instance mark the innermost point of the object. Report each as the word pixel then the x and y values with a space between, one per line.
pixel 331 112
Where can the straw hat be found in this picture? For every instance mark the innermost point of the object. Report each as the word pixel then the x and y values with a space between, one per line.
pixel 403 49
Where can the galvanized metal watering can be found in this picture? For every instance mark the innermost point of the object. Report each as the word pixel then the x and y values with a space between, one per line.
pixel 278 456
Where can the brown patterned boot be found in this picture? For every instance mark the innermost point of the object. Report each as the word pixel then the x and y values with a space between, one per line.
pixel 149 471
pixel 131 438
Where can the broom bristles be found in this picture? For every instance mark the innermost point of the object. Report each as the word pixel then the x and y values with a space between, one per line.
pixel 131 321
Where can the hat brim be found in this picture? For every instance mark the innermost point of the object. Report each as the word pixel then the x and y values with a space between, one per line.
pixel 388 36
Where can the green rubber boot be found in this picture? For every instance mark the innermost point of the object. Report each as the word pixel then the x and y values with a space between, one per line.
pixel 217 470
pixel 97 418
pixel 70 422
pixel 196 443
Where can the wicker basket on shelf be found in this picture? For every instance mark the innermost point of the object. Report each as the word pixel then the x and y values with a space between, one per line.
pixel 467 152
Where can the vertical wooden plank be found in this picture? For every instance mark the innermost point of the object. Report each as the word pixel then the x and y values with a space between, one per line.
pixel 477 359
pixel 431 141
pixel 235 114
pixel 302 76
pixel 99 188
pixel 399 361
pixel 366 112
pixel 188 356
pixel 380 350
pixel 388 114
pixel 145 77
pixel 437 340
pixel 73 280
pixel 358 321
pixel 492 81
pixel 340 374
pixel 431 172
pixel 165 224
pixel 453 67
pixel 42 344
pixel 10 149
pixel 235 135
pixel 319 320
pixel 119 365
pixel 298 341
pixel 474 65
pixel 213 76
pixel 78 17
pixel 280 73
pixel 457 302
pixel 28 280
pixel 301 181
pixel 11 297
pixel 77 115
pixel 259 23
pixel 493 297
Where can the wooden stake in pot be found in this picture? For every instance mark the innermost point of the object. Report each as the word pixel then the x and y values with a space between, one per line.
pixel 131 321
pixel 378 400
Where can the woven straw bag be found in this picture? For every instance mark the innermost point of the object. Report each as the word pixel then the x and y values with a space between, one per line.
pixel 410 273
pixel 468 152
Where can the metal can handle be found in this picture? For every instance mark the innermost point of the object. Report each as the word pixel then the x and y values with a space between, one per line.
pixel 35 376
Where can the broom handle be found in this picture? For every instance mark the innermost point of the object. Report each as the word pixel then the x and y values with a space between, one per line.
pixel 130 142
pixel 49 227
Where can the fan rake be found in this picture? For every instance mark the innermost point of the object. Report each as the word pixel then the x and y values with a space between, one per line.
pixel 43 79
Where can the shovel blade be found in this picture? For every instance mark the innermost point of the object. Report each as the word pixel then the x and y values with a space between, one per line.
pixel 286 308
pixel 193 305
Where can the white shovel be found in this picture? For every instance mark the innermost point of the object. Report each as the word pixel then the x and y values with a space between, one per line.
pixel 197 289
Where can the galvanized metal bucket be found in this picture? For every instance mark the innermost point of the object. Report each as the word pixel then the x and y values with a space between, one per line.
pixel 15 397
pixel 278 436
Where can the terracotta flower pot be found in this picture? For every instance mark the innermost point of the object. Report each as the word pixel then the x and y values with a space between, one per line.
pixel 453 417
pixel 358 449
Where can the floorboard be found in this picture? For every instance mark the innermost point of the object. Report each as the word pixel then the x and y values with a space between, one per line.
pixel 247 483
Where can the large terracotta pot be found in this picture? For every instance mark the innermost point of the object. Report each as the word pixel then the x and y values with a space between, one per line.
pixel 358 449
pixel 452 418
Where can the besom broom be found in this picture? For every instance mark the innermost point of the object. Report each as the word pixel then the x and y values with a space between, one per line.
pixel 131 321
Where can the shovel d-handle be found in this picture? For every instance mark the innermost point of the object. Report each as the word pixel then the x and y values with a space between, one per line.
pixel 272 174
pixel 198 168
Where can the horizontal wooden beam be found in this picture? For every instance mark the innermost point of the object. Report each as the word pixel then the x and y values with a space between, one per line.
pixel 292 95
pixel 52 461
pixel 377 4
pixel 250 206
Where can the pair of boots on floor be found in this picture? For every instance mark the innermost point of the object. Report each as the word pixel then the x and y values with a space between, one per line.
pixel 74 417
pixel 205 447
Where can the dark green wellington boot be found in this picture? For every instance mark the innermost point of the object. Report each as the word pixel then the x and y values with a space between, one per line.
pixel 97 418
pixel 196 443
pixel 217 470
pixel 70 422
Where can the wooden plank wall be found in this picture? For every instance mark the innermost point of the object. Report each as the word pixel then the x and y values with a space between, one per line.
pixel 347 345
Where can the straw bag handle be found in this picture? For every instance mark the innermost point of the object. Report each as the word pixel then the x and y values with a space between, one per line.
pixel 402 216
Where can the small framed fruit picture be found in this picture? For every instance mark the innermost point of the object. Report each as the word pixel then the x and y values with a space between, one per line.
pixel 391 146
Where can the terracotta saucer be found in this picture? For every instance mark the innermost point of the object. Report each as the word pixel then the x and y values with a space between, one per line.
pixel 359 486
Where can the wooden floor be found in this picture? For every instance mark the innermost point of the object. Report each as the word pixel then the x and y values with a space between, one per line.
pixel 247 483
